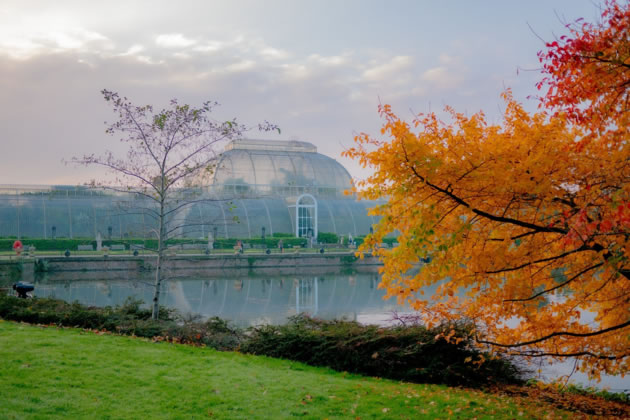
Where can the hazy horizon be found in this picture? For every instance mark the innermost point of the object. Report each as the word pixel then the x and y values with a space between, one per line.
pixel 317 69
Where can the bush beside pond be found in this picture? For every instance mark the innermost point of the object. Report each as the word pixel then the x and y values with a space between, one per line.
pixel 411 353
pixel 127 319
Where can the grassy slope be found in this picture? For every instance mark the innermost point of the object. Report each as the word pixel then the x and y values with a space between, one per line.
pixel 69 373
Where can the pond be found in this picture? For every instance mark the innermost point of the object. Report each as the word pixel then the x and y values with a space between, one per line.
pixel 244 300
pixel 251 298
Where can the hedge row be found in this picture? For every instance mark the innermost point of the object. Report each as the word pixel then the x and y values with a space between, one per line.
pixel 61 244
pixel 409 353
pixel 127 319
pixel 327 237
pixel 288 240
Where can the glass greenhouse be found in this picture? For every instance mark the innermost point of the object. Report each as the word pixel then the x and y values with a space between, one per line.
pixel 258 185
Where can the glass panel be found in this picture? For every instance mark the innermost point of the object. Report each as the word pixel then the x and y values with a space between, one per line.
pixel 235 168
pixel 281 216
pixel 285 179
pixel 306 201
pixel 32 217
pixel 58 217
pixel 361 219
pixel 257 217
pixel 8 216
pixel 104 217
pixel 330 173
pixel 198 220
pixel 306 225
pixel 343 219
pixel 264 167
pixel 213 218
pixel 304 173
pixel 325 222
pixel 191 221
pixel 236 219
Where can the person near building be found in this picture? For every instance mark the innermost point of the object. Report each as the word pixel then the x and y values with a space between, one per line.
pixel 18 247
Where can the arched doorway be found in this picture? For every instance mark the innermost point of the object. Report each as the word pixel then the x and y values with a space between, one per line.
pixel 306 216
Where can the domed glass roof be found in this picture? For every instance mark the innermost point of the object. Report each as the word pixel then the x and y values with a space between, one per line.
pixel 280 164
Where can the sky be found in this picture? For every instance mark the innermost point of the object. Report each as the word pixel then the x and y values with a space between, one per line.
pixel 317 69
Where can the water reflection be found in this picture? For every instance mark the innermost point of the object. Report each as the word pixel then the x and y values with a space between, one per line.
pixel 245 300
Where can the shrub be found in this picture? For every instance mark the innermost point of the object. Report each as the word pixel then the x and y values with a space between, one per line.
pixel 283 235
pixel 405 353
pixel 129 319
pixel 214 332
pixel 61 244
pixel 390 241
pixel 327 237
pixel 270 242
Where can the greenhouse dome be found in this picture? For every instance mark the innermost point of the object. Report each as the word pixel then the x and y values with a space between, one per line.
pixel 257 186
pixel 280 167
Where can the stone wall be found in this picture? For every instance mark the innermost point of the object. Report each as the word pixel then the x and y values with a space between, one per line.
pixel 147 262
pixel 102 268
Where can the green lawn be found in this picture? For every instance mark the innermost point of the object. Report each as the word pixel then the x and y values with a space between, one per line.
pixel 68 373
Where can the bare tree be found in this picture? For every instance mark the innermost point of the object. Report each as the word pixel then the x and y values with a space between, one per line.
pixel 168 150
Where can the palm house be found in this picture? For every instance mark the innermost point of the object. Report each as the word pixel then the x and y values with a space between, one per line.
pixel 258 187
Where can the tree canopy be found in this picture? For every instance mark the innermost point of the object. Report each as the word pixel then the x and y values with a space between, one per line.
pixel 587 73
pixel 524 225
pixel 167 150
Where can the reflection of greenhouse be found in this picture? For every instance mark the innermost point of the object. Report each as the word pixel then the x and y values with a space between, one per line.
pixel 281 187
pixel 244 300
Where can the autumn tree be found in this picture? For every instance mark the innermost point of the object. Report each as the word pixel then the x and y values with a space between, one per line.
pixel 523 240
pixel 168 151
pixel 526 223
pixel 587 75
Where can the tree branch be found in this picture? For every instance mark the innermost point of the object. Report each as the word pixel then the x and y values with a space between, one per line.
pixel 555 257
pixel 508 220
pixel 556 334
pixel 557 286
pixel 576 354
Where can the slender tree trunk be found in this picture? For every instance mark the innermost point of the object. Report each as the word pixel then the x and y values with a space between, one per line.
pixel 160 259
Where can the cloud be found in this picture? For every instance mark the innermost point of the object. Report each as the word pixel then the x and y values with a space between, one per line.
pixel 392 68
pixel 442 77
pixel 74 39
pixel 315 97
pixel 25 42
pixel 436 74
pixel 328 61
pixel 446 59
pixel 134 50
pixel 174 41
pixel 209 46
pixel 273 53
pixel 241 66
